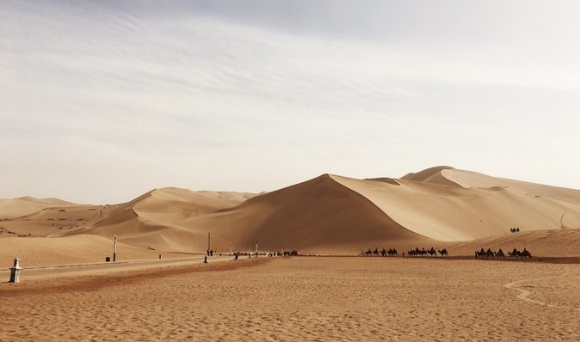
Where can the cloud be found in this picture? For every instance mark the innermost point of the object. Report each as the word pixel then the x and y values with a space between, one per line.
pixel 211 95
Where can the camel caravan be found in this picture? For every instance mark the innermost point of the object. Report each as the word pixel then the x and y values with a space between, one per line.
pixel 515 254
pixel 422 252
pixel 392 252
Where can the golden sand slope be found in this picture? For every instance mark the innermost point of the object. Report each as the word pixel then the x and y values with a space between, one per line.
pixel 143 221
pixel 316 216
pixel 12 208
pixel 434 204
pixel 66 250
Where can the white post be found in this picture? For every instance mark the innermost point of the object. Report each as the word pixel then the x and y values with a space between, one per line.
pixel 115 248
pixel 15 271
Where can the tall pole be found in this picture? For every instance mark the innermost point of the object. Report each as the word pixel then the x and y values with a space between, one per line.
pixel 208 241
pixel 115 248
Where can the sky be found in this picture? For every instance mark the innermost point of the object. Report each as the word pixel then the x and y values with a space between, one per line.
pixel 101 101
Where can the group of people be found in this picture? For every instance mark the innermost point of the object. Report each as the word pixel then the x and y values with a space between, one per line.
pixel 515 230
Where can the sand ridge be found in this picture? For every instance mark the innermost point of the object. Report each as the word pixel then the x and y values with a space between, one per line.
pixel 451 212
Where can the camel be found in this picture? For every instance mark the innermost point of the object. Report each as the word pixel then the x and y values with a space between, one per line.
pixel 414 252
pixel 392 252
pixel 489 253
pixel 443 252
pixel 480 253
pixel 484 254
pixel 515 253
pixel 525 254
pixel 417 251
pixel 431 252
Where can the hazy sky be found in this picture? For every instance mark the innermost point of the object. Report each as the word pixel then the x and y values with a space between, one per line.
pixel 101 101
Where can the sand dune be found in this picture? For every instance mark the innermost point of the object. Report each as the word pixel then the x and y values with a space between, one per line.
pixel 12 208
pixel 330 214
pixel 316 216
pixel 434 204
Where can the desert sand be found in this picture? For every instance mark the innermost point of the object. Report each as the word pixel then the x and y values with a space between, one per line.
pixel 302 299
pixel 327 215
pixel 68 292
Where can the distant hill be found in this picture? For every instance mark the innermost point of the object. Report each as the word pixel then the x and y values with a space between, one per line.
pixel 440 206
pixel 12 208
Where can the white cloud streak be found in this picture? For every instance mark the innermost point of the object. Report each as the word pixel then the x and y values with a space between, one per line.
pixel 101 101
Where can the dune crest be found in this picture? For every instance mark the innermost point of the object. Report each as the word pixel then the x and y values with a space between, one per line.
pixel 433 175
pixel 447 204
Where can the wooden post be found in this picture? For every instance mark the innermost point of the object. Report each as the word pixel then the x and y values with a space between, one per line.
pixel 115 248
pixel 208 241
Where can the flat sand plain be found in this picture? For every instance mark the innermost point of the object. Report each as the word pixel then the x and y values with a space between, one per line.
pixel 302 299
